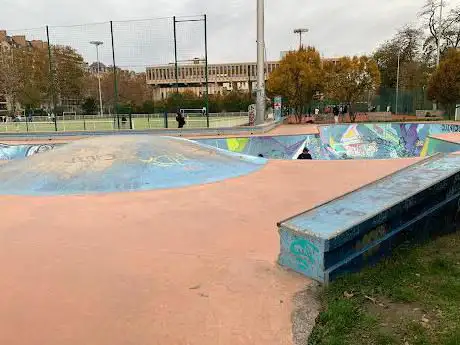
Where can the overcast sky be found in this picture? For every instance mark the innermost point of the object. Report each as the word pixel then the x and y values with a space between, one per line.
pixel 337 27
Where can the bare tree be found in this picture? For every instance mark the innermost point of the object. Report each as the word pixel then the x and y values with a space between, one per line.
pixel 448 30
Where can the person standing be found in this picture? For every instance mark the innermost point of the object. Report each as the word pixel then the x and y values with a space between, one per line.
pixel 305 154
pixel 180 119
pixel 336 112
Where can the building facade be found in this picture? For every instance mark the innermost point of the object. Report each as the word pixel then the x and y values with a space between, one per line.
pixel 222 78
pixel 191 77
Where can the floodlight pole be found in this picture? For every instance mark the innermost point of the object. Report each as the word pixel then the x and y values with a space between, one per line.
pixel 97 44
pixel 300 32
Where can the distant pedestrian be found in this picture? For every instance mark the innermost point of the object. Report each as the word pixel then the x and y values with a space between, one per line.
pixel 305 154
pixel 180 120
pixel 336 112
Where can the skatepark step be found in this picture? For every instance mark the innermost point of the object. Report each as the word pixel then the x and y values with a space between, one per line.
pixel 359 228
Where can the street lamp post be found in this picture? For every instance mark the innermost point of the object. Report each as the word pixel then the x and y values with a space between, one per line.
pixel 397 82
pixel 438 57
pixel 300 32
pixel 97 44
pixel 260 103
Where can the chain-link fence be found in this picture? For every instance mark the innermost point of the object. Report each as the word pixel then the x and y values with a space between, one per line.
pixel 96 76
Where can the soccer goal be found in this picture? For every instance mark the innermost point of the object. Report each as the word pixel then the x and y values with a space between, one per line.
pixel 195 117
pixel 69 115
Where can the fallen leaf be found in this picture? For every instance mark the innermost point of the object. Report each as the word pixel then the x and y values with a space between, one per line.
pixel 348 295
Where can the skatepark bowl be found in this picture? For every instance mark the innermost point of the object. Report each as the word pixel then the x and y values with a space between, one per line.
pixel 144 239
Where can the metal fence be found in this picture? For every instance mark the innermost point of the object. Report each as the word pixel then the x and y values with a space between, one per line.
pixel 70 123
pixel 101 66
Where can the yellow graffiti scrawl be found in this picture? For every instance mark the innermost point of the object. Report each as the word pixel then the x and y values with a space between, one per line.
pixel 237 144
pixel 166 161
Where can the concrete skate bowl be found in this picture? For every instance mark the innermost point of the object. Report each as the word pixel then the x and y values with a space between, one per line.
pixel 337 142
pixel 118 164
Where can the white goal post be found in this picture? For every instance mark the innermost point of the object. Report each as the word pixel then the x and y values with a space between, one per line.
pixel 187 112
pixel 68 115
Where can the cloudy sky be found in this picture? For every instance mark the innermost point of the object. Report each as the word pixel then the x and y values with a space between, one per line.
pixel 337 27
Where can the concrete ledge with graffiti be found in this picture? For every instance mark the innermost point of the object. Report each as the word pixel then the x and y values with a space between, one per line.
pixel 359 228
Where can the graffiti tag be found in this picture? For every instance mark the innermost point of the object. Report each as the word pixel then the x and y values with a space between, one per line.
pixel 166 161
pixel 92 158
pixel 450 128
pixel 370 238
pixel 305 252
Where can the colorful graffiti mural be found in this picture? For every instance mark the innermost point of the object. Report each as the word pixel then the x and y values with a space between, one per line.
pixel 273 147
pixel 435 145
pixel 10 152
pixel 358 141
pixel 380 141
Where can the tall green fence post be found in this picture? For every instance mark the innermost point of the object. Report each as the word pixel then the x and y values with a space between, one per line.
pixel 206 68
pixel 115 80
pixel 51 72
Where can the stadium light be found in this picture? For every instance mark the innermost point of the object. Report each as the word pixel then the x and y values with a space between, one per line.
pixel 97 44
pixel 300 32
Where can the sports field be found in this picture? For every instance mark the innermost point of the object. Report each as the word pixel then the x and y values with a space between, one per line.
pixel 111 124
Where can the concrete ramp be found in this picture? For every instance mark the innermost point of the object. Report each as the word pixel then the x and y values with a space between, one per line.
pixel 359 228
pixel 123 163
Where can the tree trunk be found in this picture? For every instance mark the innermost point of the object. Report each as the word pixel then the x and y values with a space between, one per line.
pixel 298 114
pixel 351 113
pixel 450 110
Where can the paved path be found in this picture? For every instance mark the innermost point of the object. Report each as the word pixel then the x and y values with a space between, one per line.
pixel 189 266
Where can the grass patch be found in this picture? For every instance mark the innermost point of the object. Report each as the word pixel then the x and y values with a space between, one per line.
pixel 412 298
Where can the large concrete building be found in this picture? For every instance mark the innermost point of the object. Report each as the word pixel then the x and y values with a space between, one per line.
pixel 191 77
pixel 222 77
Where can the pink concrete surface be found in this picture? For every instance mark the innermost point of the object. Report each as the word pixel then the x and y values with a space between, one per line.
pixel 453 137
pixel 192 266
pixel 294 130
